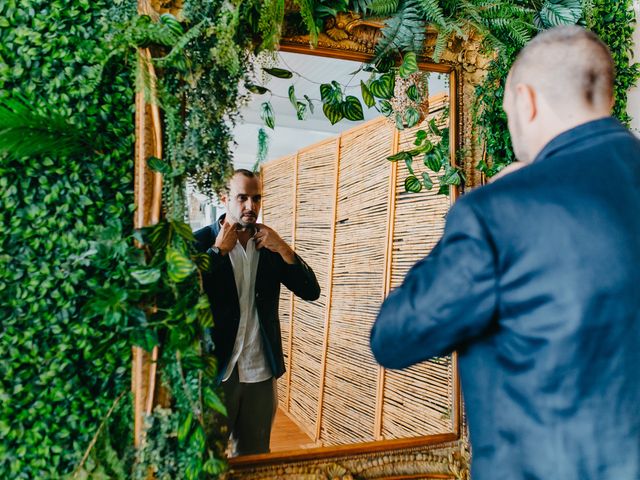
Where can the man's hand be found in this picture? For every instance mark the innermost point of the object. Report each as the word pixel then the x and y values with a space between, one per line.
pixel 269 239
pixel 227 237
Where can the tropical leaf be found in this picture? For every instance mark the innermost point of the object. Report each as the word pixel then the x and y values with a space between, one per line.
pixel 183 230
pixel 409 163
pixel 146 276
pixel 301 110
pixel 385 108
pixel 158 165
pixel 331 92
pixel 184 428
pixel 214 466
pixel 256 88
pixel 367 96
pixel 412 184
pixel 263 149
pixel 400 156
pixel 27 131
pixel 411 117
pixel 278 72
pixel 213 401
pixel 292 96
pixel 179 266
pixel 332 112
pixel 409 65
pixel 560 12
pixel 352 109
pixel 413 94
pixel 426 180
pixel 310 103
pixel 266 113
pixel 384 86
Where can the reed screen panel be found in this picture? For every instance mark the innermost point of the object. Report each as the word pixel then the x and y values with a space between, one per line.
pixel 343 206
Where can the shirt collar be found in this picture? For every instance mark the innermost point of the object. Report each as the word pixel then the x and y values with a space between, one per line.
pixel 577 134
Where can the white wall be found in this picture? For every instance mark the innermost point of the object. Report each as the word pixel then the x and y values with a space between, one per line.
pixel 634 94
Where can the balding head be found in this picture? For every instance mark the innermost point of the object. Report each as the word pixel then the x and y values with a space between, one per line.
pixel 570 66
pixel 562 78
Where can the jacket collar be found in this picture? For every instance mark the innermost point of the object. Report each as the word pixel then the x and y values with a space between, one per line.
pixel 577 134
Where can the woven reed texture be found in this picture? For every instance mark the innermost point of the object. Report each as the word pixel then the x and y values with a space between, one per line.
pixel 314 218
pixel 350 381
pixel 277 213
pixel 418 400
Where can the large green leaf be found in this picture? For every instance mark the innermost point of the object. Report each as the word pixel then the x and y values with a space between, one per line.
pixel 411 117
pixel 332 112
pixel 158 165
pixel 426 180
pixel 331 93
pixel 412 184
pixel 352 109
pixel 146 276
pixel 278 72
pixel 385 108
pixel 256 88
pixel 213 401
pixel 400 156
pixel 413 94
pixel 384 86
pixel 292 97
pixel 184 428
pixel 560 12
pixel 409 65
pixel 266 114
pixel 367 96
pixel 179 266
pixel 183 230
pixel 214 466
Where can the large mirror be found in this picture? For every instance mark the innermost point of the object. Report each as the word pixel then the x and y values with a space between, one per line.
pixel 332 194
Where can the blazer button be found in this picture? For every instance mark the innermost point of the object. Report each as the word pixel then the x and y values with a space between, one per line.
pixel 257 295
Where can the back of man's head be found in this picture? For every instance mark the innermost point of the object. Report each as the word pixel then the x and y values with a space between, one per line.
pixel 570 66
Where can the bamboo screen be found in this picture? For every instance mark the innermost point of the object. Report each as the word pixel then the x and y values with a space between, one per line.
pixel 335 203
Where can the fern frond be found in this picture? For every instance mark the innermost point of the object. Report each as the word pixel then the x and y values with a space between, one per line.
pixel 405 32
pixel 28 132
pixel 432 12
pixel 270 23
pixel 307 9
pixel 383 7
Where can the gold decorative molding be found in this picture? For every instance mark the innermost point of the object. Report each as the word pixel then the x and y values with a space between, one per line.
pixel 444 461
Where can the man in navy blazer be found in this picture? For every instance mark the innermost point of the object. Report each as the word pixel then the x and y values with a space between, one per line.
pixel 249 261
pixel 536 281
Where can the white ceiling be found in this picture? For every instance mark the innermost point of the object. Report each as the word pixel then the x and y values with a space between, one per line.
pixel 291 134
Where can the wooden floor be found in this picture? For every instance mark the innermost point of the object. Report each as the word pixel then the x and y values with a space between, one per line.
pixel 286 435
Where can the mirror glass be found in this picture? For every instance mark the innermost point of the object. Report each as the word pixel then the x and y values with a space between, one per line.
pixel 332 194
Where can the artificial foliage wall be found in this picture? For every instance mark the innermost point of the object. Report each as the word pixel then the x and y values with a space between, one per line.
pixel 58 378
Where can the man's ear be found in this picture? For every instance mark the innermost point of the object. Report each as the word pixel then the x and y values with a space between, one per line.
pixel 528 100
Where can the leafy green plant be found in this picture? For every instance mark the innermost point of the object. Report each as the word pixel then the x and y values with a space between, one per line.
pixel 56 191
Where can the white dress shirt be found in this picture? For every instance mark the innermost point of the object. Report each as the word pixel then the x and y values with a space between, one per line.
pixel 248 350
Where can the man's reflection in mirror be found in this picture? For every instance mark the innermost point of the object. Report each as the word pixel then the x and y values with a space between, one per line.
pixel 249 261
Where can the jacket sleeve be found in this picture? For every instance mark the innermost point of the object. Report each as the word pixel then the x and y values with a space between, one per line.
pixel 446 299
pixel 300 279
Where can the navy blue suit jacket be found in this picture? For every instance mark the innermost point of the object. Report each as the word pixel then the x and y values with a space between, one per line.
pixel 220 286
pixel 536 284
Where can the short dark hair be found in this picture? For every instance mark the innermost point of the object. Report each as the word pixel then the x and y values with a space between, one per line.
pixel 567 63
pixel 240 171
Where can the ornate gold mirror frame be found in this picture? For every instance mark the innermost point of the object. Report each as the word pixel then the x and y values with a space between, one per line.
pixel 432 457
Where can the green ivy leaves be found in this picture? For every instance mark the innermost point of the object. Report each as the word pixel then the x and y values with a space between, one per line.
pixel 335 108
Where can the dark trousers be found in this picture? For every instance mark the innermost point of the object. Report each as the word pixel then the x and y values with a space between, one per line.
pixel 251 409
